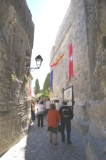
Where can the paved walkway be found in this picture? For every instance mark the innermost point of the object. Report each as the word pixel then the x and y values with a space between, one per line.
pixel 36 146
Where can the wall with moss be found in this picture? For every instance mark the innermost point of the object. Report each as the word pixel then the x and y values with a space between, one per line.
pixel 16 42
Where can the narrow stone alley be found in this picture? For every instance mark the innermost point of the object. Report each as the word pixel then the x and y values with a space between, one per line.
pixel 36 146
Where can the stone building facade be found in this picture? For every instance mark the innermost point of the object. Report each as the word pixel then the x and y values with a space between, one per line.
pixel 84 25
pixel 16 42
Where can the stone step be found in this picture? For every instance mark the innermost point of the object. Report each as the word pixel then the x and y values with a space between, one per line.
pixel 95 149
pixel 95 146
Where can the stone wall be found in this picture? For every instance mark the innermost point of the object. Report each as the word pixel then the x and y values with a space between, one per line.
pixel 96 24
pixel 84 26
pixel 73 30
pixel 16 42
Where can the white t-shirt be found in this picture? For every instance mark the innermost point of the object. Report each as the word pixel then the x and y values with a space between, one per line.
pixel 57 106
pixel 48 104
pixel 40 108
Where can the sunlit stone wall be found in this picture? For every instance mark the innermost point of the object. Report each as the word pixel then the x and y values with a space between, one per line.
pixel 16 42
pixel 84 26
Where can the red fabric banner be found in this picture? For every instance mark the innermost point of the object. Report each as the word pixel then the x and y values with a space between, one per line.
pixel 71 74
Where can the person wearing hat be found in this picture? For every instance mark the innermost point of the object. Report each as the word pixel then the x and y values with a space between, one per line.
pixel 65 112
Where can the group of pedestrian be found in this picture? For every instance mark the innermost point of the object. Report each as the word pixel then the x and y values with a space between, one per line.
pixel 54 116
pixel 40 107
pixel 40 111
pixel 55 113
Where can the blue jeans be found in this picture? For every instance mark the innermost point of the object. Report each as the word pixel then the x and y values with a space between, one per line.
pixel 67 124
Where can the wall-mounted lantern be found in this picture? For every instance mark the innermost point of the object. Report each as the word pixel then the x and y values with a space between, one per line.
pixel 38 60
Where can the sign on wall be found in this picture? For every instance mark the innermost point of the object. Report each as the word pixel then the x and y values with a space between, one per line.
pixel 69 96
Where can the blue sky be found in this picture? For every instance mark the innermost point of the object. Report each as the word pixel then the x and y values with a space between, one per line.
pixel 47 16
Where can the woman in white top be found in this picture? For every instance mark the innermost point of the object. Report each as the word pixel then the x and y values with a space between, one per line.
pixel 40 113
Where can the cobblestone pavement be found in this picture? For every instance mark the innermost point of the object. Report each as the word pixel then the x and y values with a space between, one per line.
pixel 36 146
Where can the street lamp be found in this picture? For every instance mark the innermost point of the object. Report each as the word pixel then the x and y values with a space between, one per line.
pixel 38 60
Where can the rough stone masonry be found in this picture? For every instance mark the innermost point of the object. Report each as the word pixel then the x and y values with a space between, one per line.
pixel 84 25
pixel 16 42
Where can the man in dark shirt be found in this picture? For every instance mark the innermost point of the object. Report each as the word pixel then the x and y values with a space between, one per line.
pixel 65 112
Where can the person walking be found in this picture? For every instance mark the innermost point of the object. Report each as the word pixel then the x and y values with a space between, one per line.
pixel 57 105
pixel 40 113
pixel 53 119
pixel 48 105
pixel 65 112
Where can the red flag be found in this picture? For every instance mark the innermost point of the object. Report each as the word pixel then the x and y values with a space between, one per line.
pixel 70 61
